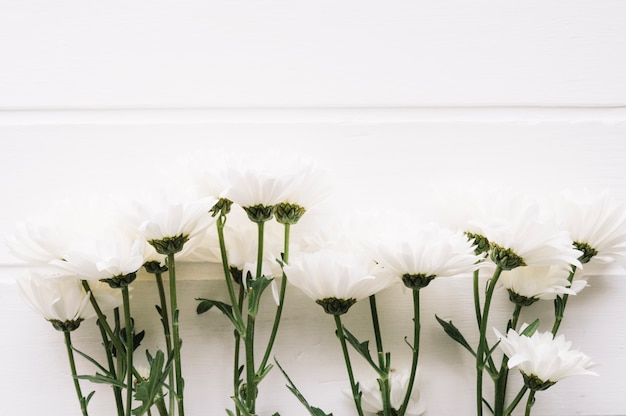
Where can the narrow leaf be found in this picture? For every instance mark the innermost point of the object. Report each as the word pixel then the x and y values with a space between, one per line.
pixel 207 304
pixel 363 349
pixel 455 334
pixel 530 329
pixel 313 411
pixel 255 290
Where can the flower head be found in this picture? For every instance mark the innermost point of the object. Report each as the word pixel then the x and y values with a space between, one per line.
pixel 597 223
pixel 427 252
pixel 542 359
pixel 531 283
pixel 372 400
pixel 171 219
pixel 59 299
pixel 520 236
pixel 335 280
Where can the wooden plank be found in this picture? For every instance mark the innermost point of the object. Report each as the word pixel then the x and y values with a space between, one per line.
pixel 276 53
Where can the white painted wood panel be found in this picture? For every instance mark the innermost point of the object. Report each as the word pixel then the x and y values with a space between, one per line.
pixel 380 158
pixel 277 53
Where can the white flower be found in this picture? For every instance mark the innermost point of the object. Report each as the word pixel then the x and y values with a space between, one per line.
pixel 335 275
pixel 107 297
pixel 56 298
pixel 48 236
pixel 597 221
pixel 262 179
pixel 398 380
pixel 520 236
pixel 104 257
pixel 310 186
pixel 539 282
pixel 542 359
pixel 427 252
pixel 174 215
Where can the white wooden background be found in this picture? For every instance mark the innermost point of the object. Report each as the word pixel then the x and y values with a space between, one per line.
pixel 394 96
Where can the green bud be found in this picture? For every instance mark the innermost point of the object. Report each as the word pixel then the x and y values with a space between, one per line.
pixel 505 258
pixel 259 213
pixel 588 251
pixel 288 213
pixel 535 384
pixel 118 282
pixel 521 300
pixel 417 281
pixel 334 306
pixel 65 326
pixel 169 245
pixel 154 267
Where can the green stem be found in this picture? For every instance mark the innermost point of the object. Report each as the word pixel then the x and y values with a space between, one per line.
pixel 129 349
pixel 559 312
pixel 344 347
pixel 168 336
pixel 160 405
pixel 221 222
pixel 236 375
pixel 250 373
pixel 171 266
pixel 482 341
pixel 515 401
pixel 530 402
pixel 476 283
pixel 117 391
pixel 70 356
pixel 385 388
pixel 503 374
pixel 281 302
pixel 259 257
pixel 416 343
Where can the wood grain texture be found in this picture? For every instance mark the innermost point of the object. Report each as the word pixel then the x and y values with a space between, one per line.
pixel 324 53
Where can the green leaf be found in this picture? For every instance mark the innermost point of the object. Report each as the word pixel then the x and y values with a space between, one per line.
pixel 260 375
pixel 206 304
pixel 255 290
pixel 530 329
pixel 103 379
pixel 455 334
pixel 313 411
pixel 363 349
pixel 149 391
pixel 242 407
pixel 91 360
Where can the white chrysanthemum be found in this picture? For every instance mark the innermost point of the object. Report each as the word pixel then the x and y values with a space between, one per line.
pixel 372 400
pixel 104 257
pixel 310 186
pixel 539 282
pixel 427 252
pixel 520 236
pixel 174 214
pixel 542 359
pixel 203 172
pixel 335 275
pixel 262 179
pixel 47 237
pixel 597 223
pixel 57 298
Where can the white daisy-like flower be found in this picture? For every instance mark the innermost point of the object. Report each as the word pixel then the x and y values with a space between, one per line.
pixel 372 400
pixel 47 236
pixel 59 299
pixel 597 223
pixel 107 297
pixel 542 359
pixel 521 236
pixel 427 252
pixel 336 280
pixel 310 187
pixel 530 283
pixel 104 257
pixel 171 219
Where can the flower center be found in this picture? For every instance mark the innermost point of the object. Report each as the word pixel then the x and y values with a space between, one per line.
pixel 288 213
pixel 417 281
pixel 259 213
pixel 334 306
pixel 169 245
pixel 505 258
